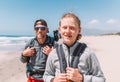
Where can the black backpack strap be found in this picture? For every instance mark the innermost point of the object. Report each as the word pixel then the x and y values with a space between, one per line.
pixel 62 59
pixel 76 54
pixel 30 44
pixel 51 41
pixel 28 67
pixel 75 57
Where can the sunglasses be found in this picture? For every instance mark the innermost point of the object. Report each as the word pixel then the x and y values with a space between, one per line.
pixel 41 28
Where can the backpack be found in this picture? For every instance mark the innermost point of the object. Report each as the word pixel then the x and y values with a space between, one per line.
pixel 75 56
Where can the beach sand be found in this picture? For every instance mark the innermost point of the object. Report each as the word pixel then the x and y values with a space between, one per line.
pixel 11 69
pixel 106 49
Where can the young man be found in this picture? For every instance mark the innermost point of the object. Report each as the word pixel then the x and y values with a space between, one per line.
pixel 36 52
pixel 87 68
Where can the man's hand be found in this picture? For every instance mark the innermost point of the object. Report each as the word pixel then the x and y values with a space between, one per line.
pixel 47 50
pixel 74 74
pixel 29 51
pixel 60 78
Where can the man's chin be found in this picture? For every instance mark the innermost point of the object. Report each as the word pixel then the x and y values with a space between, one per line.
pixel 67 41
pixel 40 37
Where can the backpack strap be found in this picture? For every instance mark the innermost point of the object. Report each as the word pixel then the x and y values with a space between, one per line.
pixel 30 44
pixel 28 67
pixel 62 60
pixel 51 41
pixel 75 57
pixel 76 54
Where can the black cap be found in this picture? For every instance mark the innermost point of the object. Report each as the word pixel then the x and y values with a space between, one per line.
pixel 40 22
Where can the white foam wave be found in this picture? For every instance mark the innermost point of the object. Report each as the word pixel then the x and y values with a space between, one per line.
pixel 13 40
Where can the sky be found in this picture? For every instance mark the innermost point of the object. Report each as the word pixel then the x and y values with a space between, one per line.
pixel 17 17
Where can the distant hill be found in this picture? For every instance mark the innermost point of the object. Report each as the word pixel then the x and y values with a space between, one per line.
pixel 89 32
pixel 117 33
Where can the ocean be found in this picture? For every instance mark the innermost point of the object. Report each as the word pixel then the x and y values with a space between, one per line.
pixel 13 43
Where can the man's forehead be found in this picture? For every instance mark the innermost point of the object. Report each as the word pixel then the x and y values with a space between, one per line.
pixel 68 21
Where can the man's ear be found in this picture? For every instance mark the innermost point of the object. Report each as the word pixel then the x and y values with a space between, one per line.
pixel 80 30
pixel 34 30
pixel 47 30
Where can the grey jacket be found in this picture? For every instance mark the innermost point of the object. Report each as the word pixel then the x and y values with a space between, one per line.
pixel 37 62
pixel 88 65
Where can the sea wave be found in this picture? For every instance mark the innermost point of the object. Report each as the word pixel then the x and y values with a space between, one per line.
pixel 5 40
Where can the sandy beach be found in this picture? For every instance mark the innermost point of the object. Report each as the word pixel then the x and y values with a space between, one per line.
pixel 11 69
pixel 106 49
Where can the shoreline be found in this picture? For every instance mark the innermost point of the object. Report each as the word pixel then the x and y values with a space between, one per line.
pixel 106 49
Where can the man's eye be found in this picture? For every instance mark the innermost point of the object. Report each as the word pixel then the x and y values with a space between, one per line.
pixel 64 27
pixel 72 28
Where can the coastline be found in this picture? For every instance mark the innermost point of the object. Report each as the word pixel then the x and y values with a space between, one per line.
pixel 105 47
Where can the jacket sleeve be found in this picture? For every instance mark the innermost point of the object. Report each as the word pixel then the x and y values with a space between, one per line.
pixel 92 72
pixel 24 59
pixel 50 68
